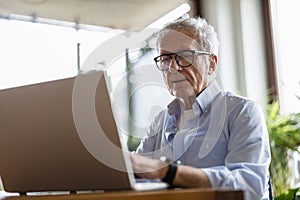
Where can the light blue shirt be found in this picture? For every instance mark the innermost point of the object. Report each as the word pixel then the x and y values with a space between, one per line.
pixel 227 138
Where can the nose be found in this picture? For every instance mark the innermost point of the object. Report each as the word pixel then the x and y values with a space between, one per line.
pixel 174 66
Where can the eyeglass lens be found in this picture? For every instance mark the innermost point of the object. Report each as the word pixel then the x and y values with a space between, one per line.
pixel 183 59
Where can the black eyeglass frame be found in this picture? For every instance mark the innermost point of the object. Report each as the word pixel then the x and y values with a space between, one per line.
pixel 156 59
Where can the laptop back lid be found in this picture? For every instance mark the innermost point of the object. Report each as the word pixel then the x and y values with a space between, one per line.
pixel 45 137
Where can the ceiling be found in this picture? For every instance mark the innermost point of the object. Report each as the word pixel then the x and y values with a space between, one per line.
pixel 120 14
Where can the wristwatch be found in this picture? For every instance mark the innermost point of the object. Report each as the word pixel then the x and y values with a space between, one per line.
pixel 172 169
pixel 169 177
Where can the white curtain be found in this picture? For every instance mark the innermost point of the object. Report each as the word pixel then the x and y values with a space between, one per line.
pixel 242 57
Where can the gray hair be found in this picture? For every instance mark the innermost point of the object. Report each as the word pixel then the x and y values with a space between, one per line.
pixel 206 35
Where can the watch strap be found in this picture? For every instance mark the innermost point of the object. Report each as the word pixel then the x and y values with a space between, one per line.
pixel 169 177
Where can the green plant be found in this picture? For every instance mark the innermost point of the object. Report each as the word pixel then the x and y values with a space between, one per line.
pixel 284 133
pixel 290 195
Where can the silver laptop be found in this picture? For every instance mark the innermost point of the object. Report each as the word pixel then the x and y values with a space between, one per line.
pixel 61 136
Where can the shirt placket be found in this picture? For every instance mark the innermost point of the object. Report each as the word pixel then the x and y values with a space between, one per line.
pixel 178 145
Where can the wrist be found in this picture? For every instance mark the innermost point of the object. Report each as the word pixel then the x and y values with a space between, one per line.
pixel 170 173
pixel 163 170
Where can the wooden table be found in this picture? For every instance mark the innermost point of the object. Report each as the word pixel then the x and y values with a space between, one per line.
pixel 174 194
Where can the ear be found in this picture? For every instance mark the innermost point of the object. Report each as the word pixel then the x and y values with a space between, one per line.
pixel 213 63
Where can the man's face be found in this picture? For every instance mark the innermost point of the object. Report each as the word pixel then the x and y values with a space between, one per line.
pixel 189 81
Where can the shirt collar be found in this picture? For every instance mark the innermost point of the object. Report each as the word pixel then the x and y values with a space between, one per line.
pixel 204 100
pixel 206 97
pixel 202 104
pixel 175 109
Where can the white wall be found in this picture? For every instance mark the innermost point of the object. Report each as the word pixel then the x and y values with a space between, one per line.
pixel 242 59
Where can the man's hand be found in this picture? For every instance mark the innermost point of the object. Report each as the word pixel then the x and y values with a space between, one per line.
pixel 186 176
pixel 148 168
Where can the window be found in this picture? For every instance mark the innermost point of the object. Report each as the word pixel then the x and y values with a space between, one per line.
pixel 287 41
pixel 285 15
pixel 36 52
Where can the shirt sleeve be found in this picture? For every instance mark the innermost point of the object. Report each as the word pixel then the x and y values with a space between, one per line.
pixel 149 142
pixel 248 157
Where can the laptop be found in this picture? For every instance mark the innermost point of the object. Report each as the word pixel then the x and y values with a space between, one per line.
pixel 61 136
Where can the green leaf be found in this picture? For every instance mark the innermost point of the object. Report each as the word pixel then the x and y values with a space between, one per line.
pixel 290 195
pixel 273 110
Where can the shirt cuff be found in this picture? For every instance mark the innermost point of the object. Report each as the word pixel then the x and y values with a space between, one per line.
pixel 219 177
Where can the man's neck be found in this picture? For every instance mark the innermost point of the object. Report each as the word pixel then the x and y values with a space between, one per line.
pixel 188 102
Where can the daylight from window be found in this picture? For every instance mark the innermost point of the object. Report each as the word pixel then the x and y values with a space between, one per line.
pixel 287 38
pixel 35 52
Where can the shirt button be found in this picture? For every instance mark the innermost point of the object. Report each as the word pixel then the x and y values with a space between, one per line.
pixel 178 162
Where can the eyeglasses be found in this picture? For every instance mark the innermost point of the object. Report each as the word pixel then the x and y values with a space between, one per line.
pixel 184 58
